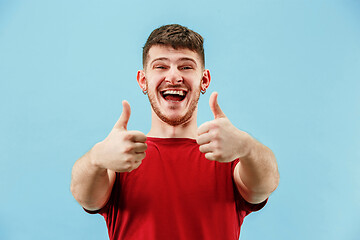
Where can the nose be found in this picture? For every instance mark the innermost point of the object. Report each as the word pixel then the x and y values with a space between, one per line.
pixel 173 76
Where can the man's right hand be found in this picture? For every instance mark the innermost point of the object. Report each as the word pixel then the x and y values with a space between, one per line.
pixel 121 150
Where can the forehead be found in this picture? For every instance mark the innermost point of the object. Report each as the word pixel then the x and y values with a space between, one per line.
pixel 170 54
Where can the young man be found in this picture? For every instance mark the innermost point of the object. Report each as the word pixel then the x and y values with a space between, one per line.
pixel 179 181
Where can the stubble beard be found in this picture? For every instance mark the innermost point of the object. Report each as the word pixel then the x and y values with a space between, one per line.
pixel 176 121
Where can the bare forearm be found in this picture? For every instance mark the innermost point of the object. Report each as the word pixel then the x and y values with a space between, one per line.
pixel 90 185
pixel 93 175
pixel 258 172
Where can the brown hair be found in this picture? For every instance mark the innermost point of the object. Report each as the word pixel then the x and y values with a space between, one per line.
pixel 176 36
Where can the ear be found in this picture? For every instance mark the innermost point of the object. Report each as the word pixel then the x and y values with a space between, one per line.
pixel 141 79
pixel 205 81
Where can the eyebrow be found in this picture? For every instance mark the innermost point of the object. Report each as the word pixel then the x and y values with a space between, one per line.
pixel 167 59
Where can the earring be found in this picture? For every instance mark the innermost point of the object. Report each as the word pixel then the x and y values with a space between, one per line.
pixel 203 91
pixel 144 91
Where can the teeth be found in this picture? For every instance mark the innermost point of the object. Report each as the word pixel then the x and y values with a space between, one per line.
pixel 174 92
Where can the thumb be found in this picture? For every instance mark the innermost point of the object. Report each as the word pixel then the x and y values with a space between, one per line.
pixel 214 106
pixel 124 118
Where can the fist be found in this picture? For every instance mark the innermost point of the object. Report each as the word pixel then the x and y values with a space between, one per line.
pixel 121 150
pixel 219 139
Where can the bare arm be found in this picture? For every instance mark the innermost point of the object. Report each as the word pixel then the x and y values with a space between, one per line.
pixel 93 175
pixel 90 185
pixel 256 175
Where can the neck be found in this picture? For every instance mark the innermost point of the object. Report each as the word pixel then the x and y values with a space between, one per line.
pixel 161 129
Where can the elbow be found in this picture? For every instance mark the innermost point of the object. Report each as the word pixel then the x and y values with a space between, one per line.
pixel 74 192
pixel 263 189
pixel 273 178
pixel 272 183
pixel 88 199
pixel 276 176
pixel 277 181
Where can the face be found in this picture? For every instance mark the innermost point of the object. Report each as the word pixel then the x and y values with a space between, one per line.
pixel 173 79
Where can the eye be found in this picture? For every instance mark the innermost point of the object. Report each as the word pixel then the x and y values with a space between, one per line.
pixel 186 68
pixel 159 67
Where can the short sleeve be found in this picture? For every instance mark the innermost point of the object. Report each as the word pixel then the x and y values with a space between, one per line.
pixel 101 210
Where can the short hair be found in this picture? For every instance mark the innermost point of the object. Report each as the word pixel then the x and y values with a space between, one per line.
pixel 177 37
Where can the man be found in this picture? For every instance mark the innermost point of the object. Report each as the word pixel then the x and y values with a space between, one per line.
pixel 179 181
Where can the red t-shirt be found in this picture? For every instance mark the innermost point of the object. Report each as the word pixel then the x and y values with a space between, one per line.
pixel 176 193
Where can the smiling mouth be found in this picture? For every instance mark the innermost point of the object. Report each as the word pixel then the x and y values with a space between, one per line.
pixel 174 95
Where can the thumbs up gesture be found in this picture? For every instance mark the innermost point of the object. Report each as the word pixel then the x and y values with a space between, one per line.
pixel 219 139
pixel 121 150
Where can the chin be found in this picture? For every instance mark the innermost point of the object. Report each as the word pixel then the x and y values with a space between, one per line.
pixel 172 112
pixel 174 120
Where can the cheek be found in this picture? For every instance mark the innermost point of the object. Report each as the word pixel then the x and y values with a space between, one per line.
pixel 198 83
pixel 152 84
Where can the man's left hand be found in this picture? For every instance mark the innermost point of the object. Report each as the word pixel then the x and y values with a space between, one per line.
pixel 219 139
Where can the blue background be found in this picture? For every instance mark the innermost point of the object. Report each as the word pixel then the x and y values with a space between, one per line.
pixel 287 72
